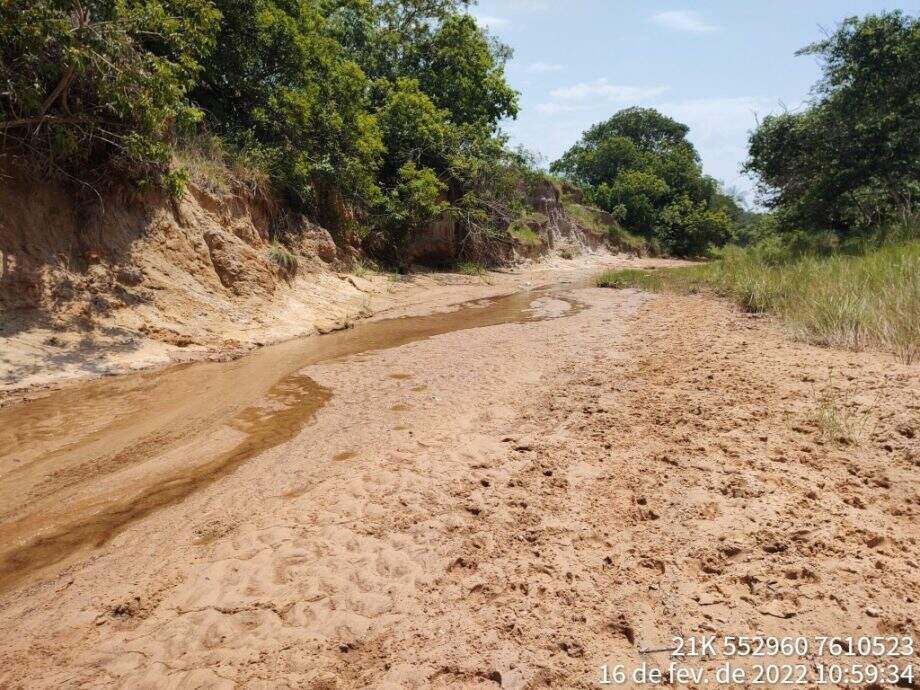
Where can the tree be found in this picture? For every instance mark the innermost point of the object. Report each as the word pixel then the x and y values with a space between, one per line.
pixel 352 108
pixel 465 74
pixel 89 81
pixel 639 166
pixel 415 198
pixel 277 73
pixel 851 160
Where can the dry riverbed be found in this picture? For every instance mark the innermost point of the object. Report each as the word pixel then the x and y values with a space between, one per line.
pixel 511 505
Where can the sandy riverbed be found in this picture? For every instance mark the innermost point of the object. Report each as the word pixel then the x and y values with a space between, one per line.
pixel 513 506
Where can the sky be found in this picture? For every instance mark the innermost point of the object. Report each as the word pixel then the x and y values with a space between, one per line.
pixel 716 66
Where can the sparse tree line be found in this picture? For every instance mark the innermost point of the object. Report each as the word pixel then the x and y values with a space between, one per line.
pixel 391 109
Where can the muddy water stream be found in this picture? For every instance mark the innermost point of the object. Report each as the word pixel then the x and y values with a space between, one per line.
pixel 80 463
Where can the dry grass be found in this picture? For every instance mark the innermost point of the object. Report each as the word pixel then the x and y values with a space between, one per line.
pixel 600 223
pixel 853 302
pixel 211 165
pixel 282 257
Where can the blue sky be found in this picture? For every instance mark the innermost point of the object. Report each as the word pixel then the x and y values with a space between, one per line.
pixel 713 65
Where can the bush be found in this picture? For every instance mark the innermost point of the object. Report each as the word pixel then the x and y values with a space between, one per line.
pixel 524 234
pixel 470 268
pixel 282 257
pixel 100 82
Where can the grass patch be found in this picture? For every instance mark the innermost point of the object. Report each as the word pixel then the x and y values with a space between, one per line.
pixel 282 257
pixel 838 417
pixel 524 234
pixel 364 267
pixel 847 301
pixel 630 278
pixel 596 221
pixel 219 168
pixel 470 268
pixel 521 231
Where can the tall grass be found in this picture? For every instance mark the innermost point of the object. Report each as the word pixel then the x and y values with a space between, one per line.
pixel 219 167
pixel 282 257
pixel 849 301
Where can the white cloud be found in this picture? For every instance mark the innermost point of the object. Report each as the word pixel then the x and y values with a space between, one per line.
pixel 680 20
pixel 603 89
pixel 719 129
pixel 544 67
pixel 492 22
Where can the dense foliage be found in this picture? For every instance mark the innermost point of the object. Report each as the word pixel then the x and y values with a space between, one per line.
pixel 82 81
pixel 387 107
pixel 851 160
pixel 639 166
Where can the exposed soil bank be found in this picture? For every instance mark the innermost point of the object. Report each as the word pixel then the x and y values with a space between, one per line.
pixel 135 280
pixel 36 358
pixel 513 506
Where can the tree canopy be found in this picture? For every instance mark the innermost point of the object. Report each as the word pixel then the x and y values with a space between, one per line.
pixel 374 102
pixel 91 80
pixel 639 166
pixel 851 160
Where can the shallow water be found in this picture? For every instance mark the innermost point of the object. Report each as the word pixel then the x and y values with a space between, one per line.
pixel 80 463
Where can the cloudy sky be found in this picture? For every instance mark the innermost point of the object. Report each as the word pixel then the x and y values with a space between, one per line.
pixel 715 65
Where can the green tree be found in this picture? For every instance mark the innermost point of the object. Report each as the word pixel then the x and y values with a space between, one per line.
pixel 89 81
pixel 465 74
pixel 413 128
pixel 415 198
pixel 278 74
pixel 639 166
pixel 851 160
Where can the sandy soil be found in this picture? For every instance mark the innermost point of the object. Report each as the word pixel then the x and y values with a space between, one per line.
pixel 38 358
pixel 514 506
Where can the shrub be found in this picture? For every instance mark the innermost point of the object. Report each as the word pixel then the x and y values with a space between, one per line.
pixel 220 166
pixel 524 234
pixel 282 257
pixel 86 84
pixel 470 268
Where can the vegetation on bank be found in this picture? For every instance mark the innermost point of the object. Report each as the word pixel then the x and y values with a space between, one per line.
pixel 871 299
pixel 837 256
pixel 639 167
pixel 376 118
pixel 603 224
pixel 850 161
pixel 373 117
